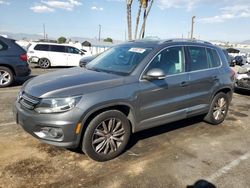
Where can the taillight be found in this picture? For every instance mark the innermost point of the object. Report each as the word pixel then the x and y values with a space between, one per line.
pixel 233 74
pixel 24 57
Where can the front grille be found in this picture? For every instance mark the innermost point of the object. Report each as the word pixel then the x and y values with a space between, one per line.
pixel 28 101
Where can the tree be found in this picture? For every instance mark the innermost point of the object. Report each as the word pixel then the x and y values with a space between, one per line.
pixel 146 5
pixel 129 20
pixel 138 19
pixel 108 39
pixel 145 16
pixel 61 40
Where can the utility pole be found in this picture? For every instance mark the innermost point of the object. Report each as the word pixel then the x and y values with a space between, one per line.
pixel 44 32
pixel 192 27
pixel 100 29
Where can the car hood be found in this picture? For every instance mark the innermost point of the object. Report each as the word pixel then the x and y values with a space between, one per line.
pixel 70 82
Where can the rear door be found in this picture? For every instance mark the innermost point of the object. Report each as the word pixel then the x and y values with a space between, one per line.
pixel 58 55
pixel 74 56
pixel 204 76
pixel 166 100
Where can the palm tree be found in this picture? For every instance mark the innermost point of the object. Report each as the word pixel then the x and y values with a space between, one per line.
pixel 129 20
pixel 138 18
pixel 145 16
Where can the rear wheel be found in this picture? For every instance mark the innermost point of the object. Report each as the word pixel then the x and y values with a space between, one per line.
pixel 218 109
pixel 106 136
pixel 44 63
pixel 6 77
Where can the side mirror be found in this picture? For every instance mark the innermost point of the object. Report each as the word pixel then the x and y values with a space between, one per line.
pixel 154 74
pixel 81 53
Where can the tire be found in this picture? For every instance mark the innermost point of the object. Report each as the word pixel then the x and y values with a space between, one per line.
pixel 44 63
pixel 6 77
pixel 104 138
pixel 218 109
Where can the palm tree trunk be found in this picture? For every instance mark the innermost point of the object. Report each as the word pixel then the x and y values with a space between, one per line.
pixel 146 13
pixel 137 20
pixel 129 20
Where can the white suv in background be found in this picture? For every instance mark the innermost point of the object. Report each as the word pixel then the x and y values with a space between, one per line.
pixel 48 55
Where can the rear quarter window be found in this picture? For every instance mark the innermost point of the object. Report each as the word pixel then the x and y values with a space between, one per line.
pixel 41 47
pixel 213 58
pixel 3 46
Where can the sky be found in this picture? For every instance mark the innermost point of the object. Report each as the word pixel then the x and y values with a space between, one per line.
pixel 223 20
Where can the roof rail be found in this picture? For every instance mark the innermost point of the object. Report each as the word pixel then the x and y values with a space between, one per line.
pixel 186 40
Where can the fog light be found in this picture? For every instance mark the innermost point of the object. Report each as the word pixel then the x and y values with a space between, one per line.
pixel 50 133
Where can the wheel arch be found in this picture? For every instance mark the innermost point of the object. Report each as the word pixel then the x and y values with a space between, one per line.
pixel 122 107
pixel 227 90
pixel 10 67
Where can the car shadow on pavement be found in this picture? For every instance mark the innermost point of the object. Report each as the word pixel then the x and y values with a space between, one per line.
pixel 20 81
pixel 162 129
pixel 242 92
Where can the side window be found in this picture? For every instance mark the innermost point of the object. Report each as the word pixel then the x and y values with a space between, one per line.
pixel 213 58
pixel 3 46
pixel 72 50
pixel 42 47
pixel 198 58
pixel 170 60
pixel 57 48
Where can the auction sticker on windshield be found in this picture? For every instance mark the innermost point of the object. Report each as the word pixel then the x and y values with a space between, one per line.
pixel 137 50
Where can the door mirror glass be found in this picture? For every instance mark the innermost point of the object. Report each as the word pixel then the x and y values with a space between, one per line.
pixel 155 74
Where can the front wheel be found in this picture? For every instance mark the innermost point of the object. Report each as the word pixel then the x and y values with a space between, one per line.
pixel 218 109
pixel 106 136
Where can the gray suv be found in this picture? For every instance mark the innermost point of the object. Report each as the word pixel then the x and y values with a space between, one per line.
pixel 130 87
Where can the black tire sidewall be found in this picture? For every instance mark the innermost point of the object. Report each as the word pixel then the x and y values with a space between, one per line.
pixel 87 138
pixel 210 116
pixel 11 76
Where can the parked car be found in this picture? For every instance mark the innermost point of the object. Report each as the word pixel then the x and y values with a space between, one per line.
pixel 13 62
pixel 86 60
pixel 240 60
pixel 128 88
pixel 229 58
pixel 248 57
pixel 243 78
pixel 48 55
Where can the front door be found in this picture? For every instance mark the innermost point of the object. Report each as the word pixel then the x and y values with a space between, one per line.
pixel 74 56
pixel 165 100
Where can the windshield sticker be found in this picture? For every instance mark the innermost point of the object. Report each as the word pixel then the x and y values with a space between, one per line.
pixel 137 50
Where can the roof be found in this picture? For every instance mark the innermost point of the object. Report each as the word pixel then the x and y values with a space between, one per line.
pixel 154 43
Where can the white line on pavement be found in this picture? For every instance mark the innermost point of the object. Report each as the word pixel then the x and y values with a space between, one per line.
pixel 6 124
pixel 10 90
pixel 228 167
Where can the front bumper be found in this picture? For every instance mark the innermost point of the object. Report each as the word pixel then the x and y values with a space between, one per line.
pixel 33 122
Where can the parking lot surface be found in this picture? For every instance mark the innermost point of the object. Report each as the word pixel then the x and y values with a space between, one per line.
pixel 173 155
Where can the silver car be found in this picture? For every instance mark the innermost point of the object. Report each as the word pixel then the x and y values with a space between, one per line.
pixel 243 78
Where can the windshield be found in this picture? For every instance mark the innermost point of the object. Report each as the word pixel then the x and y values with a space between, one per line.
pixel 119 60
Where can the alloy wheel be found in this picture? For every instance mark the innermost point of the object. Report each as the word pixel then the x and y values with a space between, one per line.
pixel 220 108
pixel 44 63
pixel 108 136
pixel 5 77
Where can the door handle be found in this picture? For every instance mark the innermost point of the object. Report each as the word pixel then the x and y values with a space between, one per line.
pixel 184 84
pixel 215 78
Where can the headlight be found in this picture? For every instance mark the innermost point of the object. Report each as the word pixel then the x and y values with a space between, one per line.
pixel 57 105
